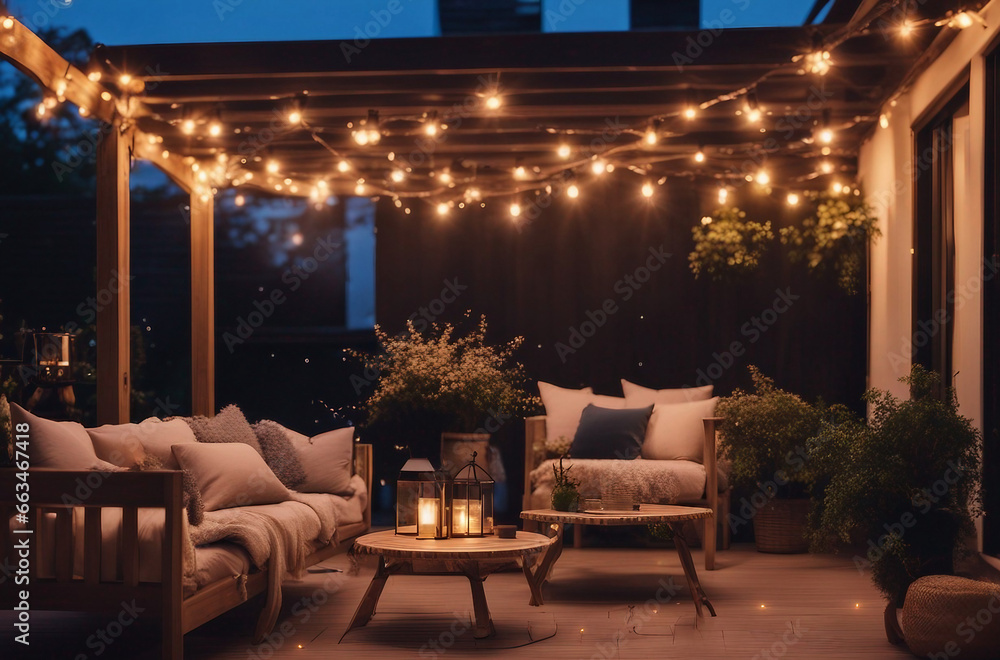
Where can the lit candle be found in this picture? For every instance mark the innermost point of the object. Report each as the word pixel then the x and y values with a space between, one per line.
pixel 461 522
pixel 64 362
pixel 475 517
pixel 428 513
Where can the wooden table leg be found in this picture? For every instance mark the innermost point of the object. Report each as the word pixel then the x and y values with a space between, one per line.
pixel 541 574
pixel 366 608
pixel 484 623
pixel 684 553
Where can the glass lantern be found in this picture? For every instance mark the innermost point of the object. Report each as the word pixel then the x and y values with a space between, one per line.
pixel 472 501
pixel 54 358
pixel 421 501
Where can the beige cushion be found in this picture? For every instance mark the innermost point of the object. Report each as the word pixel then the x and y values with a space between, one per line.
pixel 118 444
pixel 58 445
pixel 637 396
pixel 158 437
pixel 327 459
pixel 677 430
pixel 229 474
pixel 563 407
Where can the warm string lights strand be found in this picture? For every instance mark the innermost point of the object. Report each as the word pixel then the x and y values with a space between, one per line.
pixel 447 188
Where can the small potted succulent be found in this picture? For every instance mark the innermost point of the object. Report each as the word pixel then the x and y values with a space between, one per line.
pixel 565 495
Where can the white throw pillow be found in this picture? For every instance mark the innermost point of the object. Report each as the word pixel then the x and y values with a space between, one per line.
pixel 57 445
pixel 676 430
pixel 564 406
pixel 229 474
pixel 327 459
pixel 158 437
pixel 118 444
pixel 637 396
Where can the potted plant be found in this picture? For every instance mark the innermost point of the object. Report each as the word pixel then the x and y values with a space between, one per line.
pixel 909 485
pixel 438 382
pixel 565 495
pixel 764 434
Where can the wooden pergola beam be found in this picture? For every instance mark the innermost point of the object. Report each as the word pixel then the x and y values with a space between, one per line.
pixel 113 277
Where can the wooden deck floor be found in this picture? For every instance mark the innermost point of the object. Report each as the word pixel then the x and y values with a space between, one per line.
pixel 601 603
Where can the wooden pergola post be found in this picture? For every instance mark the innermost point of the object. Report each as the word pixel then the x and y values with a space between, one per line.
pixel 202 304
pixel 113 296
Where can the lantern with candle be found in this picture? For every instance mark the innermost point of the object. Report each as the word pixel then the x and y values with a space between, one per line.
pixel 472 501
pixel 54 358
pixel 421 501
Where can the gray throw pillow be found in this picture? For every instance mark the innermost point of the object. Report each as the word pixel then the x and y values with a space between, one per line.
pixel 279 454
pixel 230 425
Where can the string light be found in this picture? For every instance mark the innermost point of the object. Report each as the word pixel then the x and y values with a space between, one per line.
pixel 94 76
pixel 690 112
pixel 837 187
pixel 599 167
pixel 442 209
pixel 906 28
pixel 520 172
pixel 215 129
pixel 359 189
pixel 273 166
pixel 398 175
pixel 826 167
pixel 651 136
pixel 343 166
pixel 647 190
pixel 430 129
pixel 819 62
pixel 515 210
pixel 368 132
pixel 40 110
pixel 762 178
pixel 563 151
pixel 883 120
pixel 825 136
pixel 445 177
pixel 125 79
pixel 699 156
pixel 792 199
pixel 962 20
pixel 294 117
pixel 105 96
pixel 573 191
pixel 8 23
pixel 493 101
pixel 723 195
pixel 84 112
pixel 240 200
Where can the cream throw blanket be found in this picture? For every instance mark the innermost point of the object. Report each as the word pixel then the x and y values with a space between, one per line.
pixel 278 538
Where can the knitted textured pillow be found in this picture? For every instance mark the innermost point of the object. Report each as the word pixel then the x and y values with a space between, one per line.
pixel 279 454
pixel 230 425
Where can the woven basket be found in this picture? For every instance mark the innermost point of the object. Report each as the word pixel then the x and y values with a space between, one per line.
pixel 780 526
pixel 946 616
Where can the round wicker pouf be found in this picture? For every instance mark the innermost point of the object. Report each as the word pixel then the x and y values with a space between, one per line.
pixel 946 616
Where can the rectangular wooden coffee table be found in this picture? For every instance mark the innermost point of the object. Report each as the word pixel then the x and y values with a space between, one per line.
pixel 648 514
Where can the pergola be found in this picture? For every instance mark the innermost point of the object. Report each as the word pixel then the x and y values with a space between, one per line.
pixel 468 120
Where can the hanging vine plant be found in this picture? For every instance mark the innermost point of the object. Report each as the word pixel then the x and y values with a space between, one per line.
pixel 727 245
pixel 835 239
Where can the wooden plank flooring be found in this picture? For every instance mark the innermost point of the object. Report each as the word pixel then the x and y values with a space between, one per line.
pixel 601 603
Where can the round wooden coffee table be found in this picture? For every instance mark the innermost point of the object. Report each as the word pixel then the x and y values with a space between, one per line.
pixel 473 558
pixel 648 514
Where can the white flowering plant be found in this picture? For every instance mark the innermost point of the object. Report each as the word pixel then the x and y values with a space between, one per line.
pixel 727 245
pixel 460 381
pixel 835 238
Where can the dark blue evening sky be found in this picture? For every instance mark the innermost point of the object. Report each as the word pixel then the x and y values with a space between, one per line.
pixel 172 21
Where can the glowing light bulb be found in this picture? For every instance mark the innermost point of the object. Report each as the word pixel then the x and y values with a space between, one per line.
pixel 94 76
pixel 8 23
pixel 825 136
pixel 963 19
pixel 445 177
pixel 753 115
pixel 493 101
pixel 240 200
pixel 647 190
pixel 837 187
pixel 125 79
pixel 431 129
pixel 563 151
pixel 723 195
pixel 818 62
pixel 342 166
pixel 41 110
pixel 374 136
pixel 165 154
pixel 361 137
pixel 826 167
pixel 398 175
pixel 442 209
pixel 294 117
pixel 651 137
pixel 699 156
pixel 690 112
pixel 598 167
pixel 105 96
pixel 792 199
pixel 520 172
pixel 706 220
pixel 573 191
pixel 273 166
pixel 883 120
pixel 906 28
pixel 763 178
pixel 515 209
pixel 297 238
pixel 359 189
pixel 215 129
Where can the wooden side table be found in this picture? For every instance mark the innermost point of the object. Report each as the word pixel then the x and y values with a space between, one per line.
pixel 473 558
pixel 648 514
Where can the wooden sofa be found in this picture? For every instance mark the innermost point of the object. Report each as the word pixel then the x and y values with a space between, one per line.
pixel 131 491
pixel 534 454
